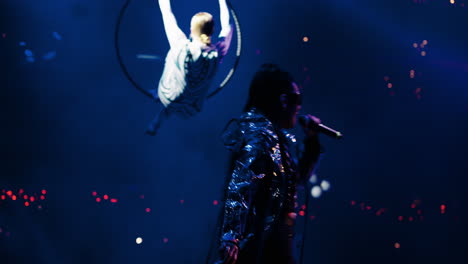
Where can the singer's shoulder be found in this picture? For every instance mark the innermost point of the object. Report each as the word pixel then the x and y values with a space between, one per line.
pixel 259 132
pixel 250 130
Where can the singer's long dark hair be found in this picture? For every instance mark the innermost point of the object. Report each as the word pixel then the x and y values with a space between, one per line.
pixel 267 85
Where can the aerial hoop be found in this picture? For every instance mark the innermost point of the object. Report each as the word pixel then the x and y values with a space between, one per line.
pixel 147 92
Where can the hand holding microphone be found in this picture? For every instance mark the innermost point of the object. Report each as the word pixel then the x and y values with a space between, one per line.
pixel 313 125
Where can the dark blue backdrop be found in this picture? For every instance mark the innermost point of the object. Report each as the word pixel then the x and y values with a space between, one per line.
pixel 72 124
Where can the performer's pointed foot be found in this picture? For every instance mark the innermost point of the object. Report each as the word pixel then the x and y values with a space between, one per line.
pixel 151 131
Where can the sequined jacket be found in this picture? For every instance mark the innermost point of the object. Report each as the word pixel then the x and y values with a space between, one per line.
pixel 261 191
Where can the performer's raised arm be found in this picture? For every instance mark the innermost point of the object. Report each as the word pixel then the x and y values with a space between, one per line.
pixel 224 17
pixel 173 32
pixel 226 28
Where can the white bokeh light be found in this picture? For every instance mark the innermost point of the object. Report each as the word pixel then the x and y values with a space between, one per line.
pixel 139 240
pixel 316 191
pixel 313 179
pixel 325 185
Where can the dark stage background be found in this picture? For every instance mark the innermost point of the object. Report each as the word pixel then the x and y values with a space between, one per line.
pixel 391 75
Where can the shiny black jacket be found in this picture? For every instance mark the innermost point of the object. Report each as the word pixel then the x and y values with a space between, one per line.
pixel 268 165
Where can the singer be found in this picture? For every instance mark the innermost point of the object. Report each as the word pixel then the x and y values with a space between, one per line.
pixel 259 198
pixel 190 63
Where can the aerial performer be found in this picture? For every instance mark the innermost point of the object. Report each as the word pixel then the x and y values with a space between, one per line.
pixel 191 63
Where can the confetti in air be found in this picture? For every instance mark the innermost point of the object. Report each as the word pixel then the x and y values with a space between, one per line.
pixel 57 36
pixel 49 55
pixel 28 53
pixel 147 57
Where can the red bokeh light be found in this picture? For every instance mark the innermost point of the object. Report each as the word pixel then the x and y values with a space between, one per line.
pixel 44 192
pixel 26 203
pixel 94 193
pixel 397 245
pixel 3 197
pixel 113 200
pixel 98 199
pixel 42 197
pixel 380 212
pixel 13 197
pixel 21 191
pixel 363 206
pixel 32 198
pixel 353 203
pixel 215 202
pixel 106 197
pixel 9 193
pixel 442 208
pixel 400 218
pixel 25 197
pixel 301 213
pixel 148 210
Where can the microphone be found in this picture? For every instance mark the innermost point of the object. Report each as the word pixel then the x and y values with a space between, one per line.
pixel 306 122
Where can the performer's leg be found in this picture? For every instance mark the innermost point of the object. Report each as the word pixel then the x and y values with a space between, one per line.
pixel 157 121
